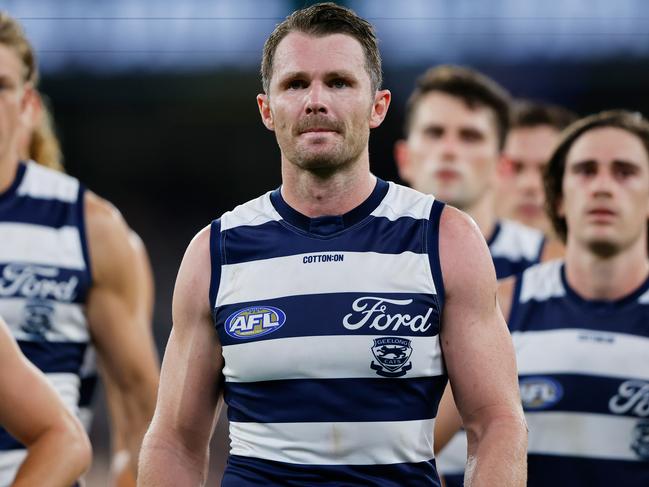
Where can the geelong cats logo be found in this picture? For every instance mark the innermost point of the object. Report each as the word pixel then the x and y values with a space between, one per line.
pixel 392 355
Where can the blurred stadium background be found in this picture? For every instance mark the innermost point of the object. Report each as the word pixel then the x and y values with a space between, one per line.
pixel 155 101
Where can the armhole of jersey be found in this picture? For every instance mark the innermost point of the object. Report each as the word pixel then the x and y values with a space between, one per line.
pixel 541 249
pixel 81 225
pixel 510 320
pixel 433 252
pixel 215 262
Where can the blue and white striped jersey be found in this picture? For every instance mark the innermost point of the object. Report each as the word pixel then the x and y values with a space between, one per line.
pixel 514 247
pixel 44 280
pixel 584 379
pixel 330 333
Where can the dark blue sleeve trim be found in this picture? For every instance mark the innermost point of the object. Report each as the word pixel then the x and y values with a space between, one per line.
pixel 513 309
pixel 433 251
pixel 541 248
pixel 215 258
pixel 81 224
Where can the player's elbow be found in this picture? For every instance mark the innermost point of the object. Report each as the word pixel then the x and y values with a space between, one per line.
pixel 69 441
pixel 506 424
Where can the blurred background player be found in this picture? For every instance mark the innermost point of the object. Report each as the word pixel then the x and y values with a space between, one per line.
pixel 580 325
pixel 456 123
pixel 533 134
pixel 73 249
pixel 38 142
pixel 58 450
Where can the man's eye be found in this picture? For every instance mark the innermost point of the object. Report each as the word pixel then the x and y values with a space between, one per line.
pixel 295 84
pixel 339 83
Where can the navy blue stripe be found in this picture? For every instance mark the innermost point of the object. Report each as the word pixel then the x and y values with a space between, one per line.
pixel 88 390
pixel 324 315
pixel 506 267
pixel 215 260
pixel 577 393
pixel 559 471
pixel 335 400
pixel 36 282
pixel 277 239
pixel 81 225
pixel 45 212
pixel 433 250
pixel 255 472
pixel 54 357
pixel 564 313
pixel 11 190
pixel 8 442
pixel 454 480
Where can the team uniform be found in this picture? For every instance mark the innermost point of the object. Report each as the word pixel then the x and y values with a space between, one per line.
pixel 513 247
pixel 330 334
pixel 44 280
pixel 584 379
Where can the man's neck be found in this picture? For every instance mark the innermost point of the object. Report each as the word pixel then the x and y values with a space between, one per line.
pixel 484 214
pixel 335 194
pixel 610 278
pixel 7 172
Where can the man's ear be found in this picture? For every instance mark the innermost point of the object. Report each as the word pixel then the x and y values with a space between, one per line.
pixel 263 102
pixel 380 107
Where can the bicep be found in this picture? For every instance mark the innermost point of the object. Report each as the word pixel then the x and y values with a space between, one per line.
pixel 477 345
pixel 193 360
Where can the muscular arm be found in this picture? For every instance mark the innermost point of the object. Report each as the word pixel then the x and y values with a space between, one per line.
pixel 175 449
pixel 448 420
pixel 121 473
pixel 480 358
pixel 118 320
pixel 58 451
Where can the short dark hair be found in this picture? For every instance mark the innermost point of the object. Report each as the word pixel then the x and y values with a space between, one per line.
pixel 320 20
pixel 527 114
pixel 632 122
pixel 474 88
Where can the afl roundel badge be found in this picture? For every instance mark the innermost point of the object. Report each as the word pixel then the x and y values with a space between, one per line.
pixel 392 355
pixel 254 322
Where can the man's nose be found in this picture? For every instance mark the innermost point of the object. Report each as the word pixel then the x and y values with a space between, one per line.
pixel 316 100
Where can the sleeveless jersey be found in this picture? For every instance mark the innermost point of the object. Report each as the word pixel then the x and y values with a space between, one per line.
pixel 584 380
pixel 330 334
pixel 44 280
pixel 514 247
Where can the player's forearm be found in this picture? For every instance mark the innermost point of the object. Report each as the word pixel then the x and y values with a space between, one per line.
pixel 139 408
pixel 164 463
pixel 57 458
pixel 497 453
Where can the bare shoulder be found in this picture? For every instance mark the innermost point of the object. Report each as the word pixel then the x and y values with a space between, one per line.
pixel 191 293
pixel 553 249
pixel 109 240
pixel 464 256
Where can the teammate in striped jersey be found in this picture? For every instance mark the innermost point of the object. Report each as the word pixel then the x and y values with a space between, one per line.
pixel 58 450
pixel 38 142
pixel 581 325
pixel 316 309
pixel 68 267
pixel 456 123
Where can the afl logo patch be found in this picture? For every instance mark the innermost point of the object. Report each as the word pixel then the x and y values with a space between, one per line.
pixel 254 322
pixel 540 392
